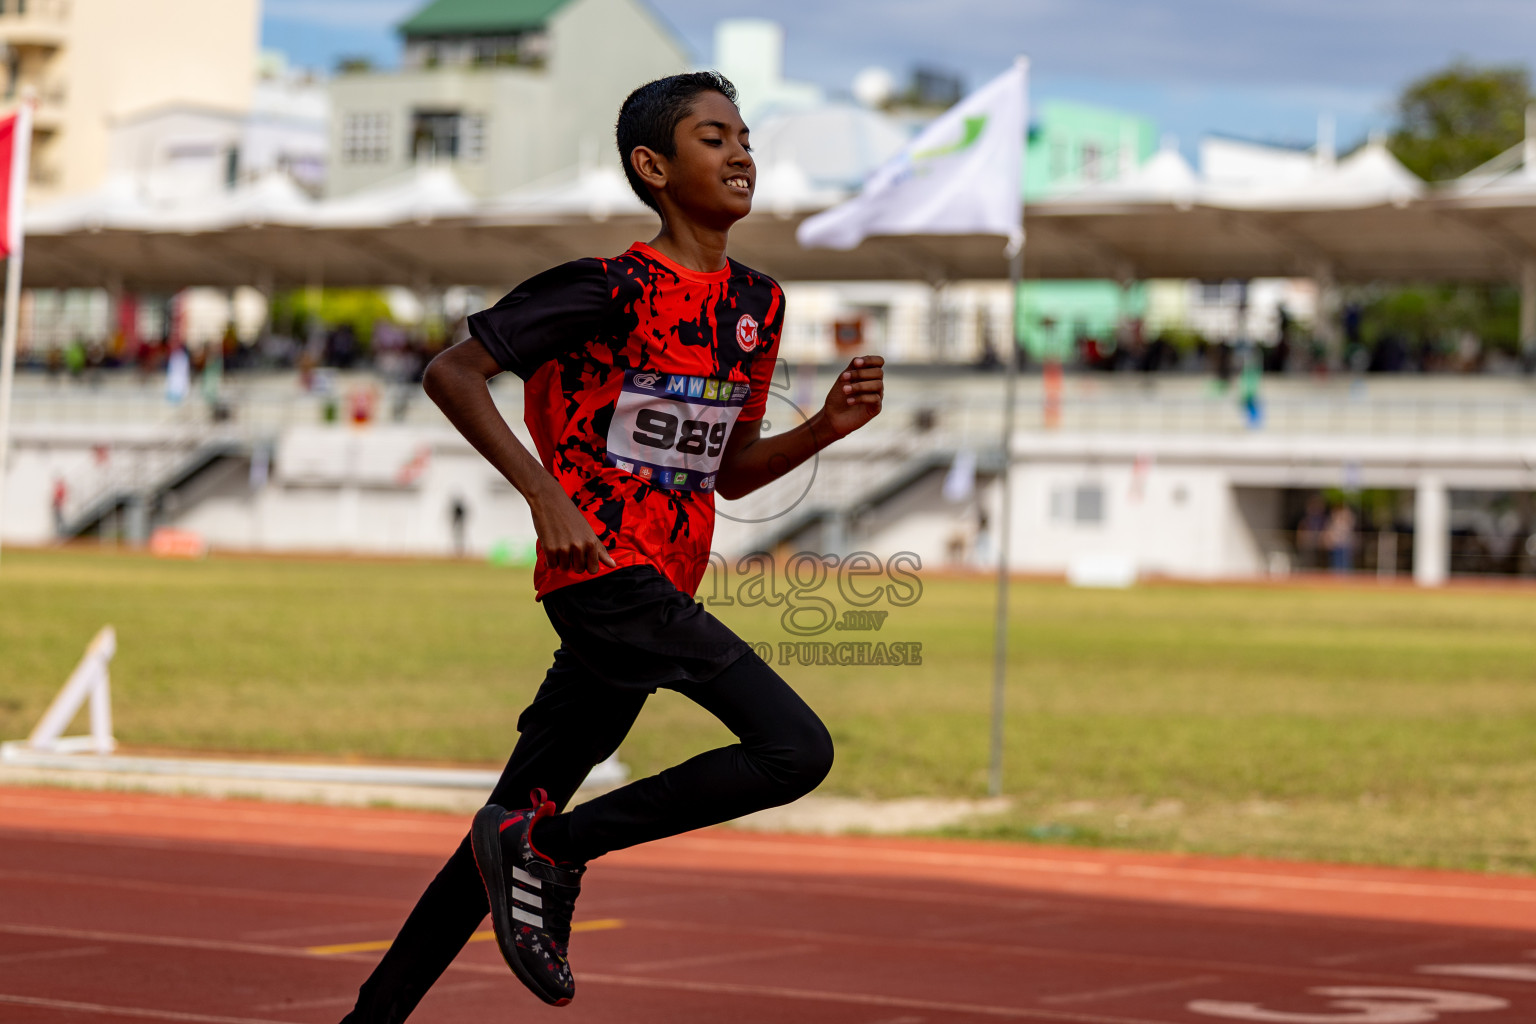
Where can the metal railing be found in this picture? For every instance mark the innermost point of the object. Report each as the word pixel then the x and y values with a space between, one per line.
pixel 1387 553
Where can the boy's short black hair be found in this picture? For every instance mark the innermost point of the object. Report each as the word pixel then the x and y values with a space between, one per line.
pixel 651 114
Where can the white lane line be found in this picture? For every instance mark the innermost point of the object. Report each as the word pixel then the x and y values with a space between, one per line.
pixel 1044 921
pixel 1129 990
pixel 860 999
pixel 719 958
pixel 172 941
pixel 322 929
pixel 179 888
pixel 228 813
pixel 1341 959
pixel 1487 972
pixel 828 938
pixel 350 998
pixel 805 995
pixel 51 954
pixel 729 884
pixel 338 857
pixel 131 1011
pixel 1107 869
pixel 1047 953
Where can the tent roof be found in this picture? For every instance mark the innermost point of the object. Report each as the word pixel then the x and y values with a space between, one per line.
pixel 478 17
pixel 595 192
pixel 425 194
pixel 1361 220
pixel 1369 176
pixel 1166 178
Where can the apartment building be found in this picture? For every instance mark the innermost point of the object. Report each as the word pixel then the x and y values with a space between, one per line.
pixel 96 64
pixel 506 92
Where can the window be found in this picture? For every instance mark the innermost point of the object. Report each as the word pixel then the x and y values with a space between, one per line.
pixel 1082 505
pixel 1088 504
pixel 365 139
pixel 472 136
pixel 1093 162
pixel 435 135
pixel 1058 160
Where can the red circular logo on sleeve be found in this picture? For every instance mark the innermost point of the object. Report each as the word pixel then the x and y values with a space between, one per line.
pixel 746 333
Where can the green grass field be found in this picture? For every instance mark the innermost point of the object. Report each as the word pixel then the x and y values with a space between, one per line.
pixel 1335 723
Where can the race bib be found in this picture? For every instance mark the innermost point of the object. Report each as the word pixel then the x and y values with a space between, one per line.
pixel 670 428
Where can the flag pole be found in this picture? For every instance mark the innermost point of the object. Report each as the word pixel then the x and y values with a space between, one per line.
pixel 21 151
pixel 1005 512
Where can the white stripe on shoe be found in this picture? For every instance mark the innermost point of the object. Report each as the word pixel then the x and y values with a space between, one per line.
pixel 522 876
pixel 519 914
pixel 527 897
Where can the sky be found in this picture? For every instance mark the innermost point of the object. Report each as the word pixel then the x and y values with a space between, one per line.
pixel 1258 69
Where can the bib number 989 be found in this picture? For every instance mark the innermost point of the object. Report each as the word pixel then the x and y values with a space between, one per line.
pixel 662 430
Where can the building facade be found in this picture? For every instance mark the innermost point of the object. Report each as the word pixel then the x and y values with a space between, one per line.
pixel 506 94
pixel 93 64
pixel 1071 146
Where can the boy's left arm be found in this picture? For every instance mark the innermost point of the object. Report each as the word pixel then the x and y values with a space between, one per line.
pixel 751 460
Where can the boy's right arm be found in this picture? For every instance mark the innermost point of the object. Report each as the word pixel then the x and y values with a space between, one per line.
pixel 456 381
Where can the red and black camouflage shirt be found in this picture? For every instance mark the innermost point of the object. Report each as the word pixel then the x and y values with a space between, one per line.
pixel 635 371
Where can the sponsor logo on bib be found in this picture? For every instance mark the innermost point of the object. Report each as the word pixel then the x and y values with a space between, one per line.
pixel 670 429
pixel 746 333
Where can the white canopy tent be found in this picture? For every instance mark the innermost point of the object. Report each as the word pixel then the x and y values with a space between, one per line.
pixel 1365 219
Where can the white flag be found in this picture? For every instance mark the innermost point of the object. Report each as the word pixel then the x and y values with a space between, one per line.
pixel 961 176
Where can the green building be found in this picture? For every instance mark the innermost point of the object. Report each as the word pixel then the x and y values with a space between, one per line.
pixel 1071 146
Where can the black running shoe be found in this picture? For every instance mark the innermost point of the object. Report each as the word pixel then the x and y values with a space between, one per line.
pixel 531 897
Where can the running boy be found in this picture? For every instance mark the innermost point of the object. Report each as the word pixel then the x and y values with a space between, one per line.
pixel 646 378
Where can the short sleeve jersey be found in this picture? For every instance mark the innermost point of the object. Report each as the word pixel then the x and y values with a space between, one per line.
pixel 635 372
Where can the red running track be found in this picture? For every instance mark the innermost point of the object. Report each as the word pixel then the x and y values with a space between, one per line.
pixel 133 907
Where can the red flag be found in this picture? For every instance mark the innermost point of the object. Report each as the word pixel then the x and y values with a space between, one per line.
pixel 7 156
pixel 15 142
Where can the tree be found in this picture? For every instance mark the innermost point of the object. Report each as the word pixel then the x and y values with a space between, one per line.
pixel 1456 119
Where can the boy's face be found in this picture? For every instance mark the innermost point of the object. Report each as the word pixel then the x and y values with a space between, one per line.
pixel 712 177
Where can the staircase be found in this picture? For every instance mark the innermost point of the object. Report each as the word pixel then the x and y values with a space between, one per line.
pixel 136 479
pixel 851 483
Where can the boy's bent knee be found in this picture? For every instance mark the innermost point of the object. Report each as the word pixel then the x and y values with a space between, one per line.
pixel 802 764
pixel 816 760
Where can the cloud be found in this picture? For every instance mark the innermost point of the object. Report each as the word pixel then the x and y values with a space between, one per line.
pixel 1182 61
pixel 1361 44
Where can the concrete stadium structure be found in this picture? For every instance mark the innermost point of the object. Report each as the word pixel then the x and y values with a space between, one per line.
pixel 1162 477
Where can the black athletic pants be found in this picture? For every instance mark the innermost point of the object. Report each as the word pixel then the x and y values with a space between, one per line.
pixel 576 720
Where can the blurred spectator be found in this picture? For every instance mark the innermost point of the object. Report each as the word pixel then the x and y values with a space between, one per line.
pixel 988 360
pixel 1220 356
pixel 60 496
pixel 178 375
pixel 1309 532
pixel 458 513
pixel 1390 355
pixel 1353 316
pixel 1248 384
pixel 74 358
pixel 341 347
pixel 1339 538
